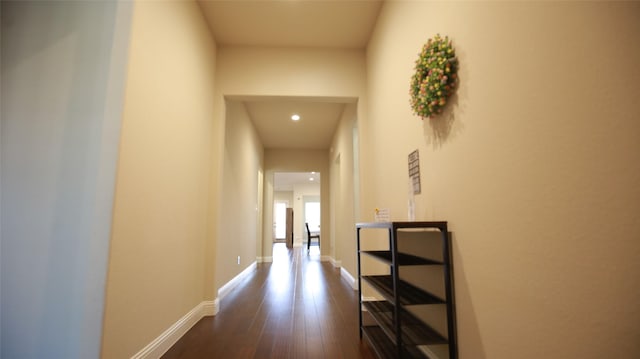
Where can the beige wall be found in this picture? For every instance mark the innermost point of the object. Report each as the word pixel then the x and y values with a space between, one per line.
pixel 157 262
pixel 342 191
pixel 284 196
pixel 291 72
pixel 243 157
pixel 535 167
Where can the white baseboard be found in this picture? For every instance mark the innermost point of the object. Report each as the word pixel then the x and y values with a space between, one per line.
pixel 325 258
pixel 264 259
pixel 166 340
pixel 336 263
pixel 225 289
pixel 346 275
pixel 210 308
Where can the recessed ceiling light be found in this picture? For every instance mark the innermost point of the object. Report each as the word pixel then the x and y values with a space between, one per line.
pixel 310 178
pixel 295 117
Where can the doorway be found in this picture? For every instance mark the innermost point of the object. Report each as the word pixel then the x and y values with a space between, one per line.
pixel 301 192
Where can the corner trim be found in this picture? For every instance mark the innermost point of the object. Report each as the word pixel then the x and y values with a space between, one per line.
pixel 210 308
pixel 169 337
pixel 349 278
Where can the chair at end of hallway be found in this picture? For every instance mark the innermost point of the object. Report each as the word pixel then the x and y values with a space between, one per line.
pixel 310 236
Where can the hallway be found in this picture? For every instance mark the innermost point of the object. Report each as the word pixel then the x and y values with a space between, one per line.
pixel 295 307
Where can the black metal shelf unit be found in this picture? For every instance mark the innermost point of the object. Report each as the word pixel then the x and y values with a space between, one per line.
pixel 397 332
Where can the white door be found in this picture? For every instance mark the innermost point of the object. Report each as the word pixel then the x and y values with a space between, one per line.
pixel 280 219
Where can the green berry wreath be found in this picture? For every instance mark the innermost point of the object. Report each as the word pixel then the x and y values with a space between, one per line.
pixel 435 78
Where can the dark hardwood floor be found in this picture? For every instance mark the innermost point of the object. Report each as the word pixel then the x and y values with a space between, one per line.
pixel 295 307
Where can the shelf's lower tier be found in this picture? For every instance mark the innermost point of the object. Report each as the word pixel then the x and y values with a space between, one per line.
pixel 414 331
pixel 384 348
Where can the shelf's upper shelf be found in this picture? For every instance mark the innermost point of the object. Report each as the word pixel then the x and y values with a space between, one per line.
pixel 402 258
pixel 409 294
pixel 441 225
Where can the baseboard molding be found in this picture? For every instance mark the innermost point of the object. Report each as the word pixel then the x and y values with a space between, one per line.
pixel 169 337
pixel 335 263
pixel 225 289
pixel 325 259
pixel 210 308
pixel 349 278
pixel 166 340
pixel 264 259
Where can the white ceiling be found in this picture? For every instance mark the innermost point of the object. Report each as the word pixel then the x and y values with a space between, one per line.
pixel 314 130
pixel 285 181
pixel 292 23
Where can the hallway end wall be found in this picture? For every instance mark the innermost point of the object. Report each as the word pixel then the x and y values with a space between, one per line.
pixel 300 192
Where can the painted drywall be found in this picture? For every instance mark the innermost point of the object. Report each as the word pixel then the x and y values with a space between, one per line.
pixel 283 196
pixel 534 165
pixel 63 70
pixel 243 159
pixel 291 72
pixel 159 233
pixel 343 189
pixel 325 74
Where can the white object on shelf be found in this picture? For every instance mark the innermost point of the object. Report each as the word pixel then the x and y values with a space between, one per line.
pixel 382 215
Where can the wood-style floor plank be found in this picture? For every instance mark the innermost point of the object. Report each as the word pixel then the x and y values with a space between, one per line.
pixel 295 307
